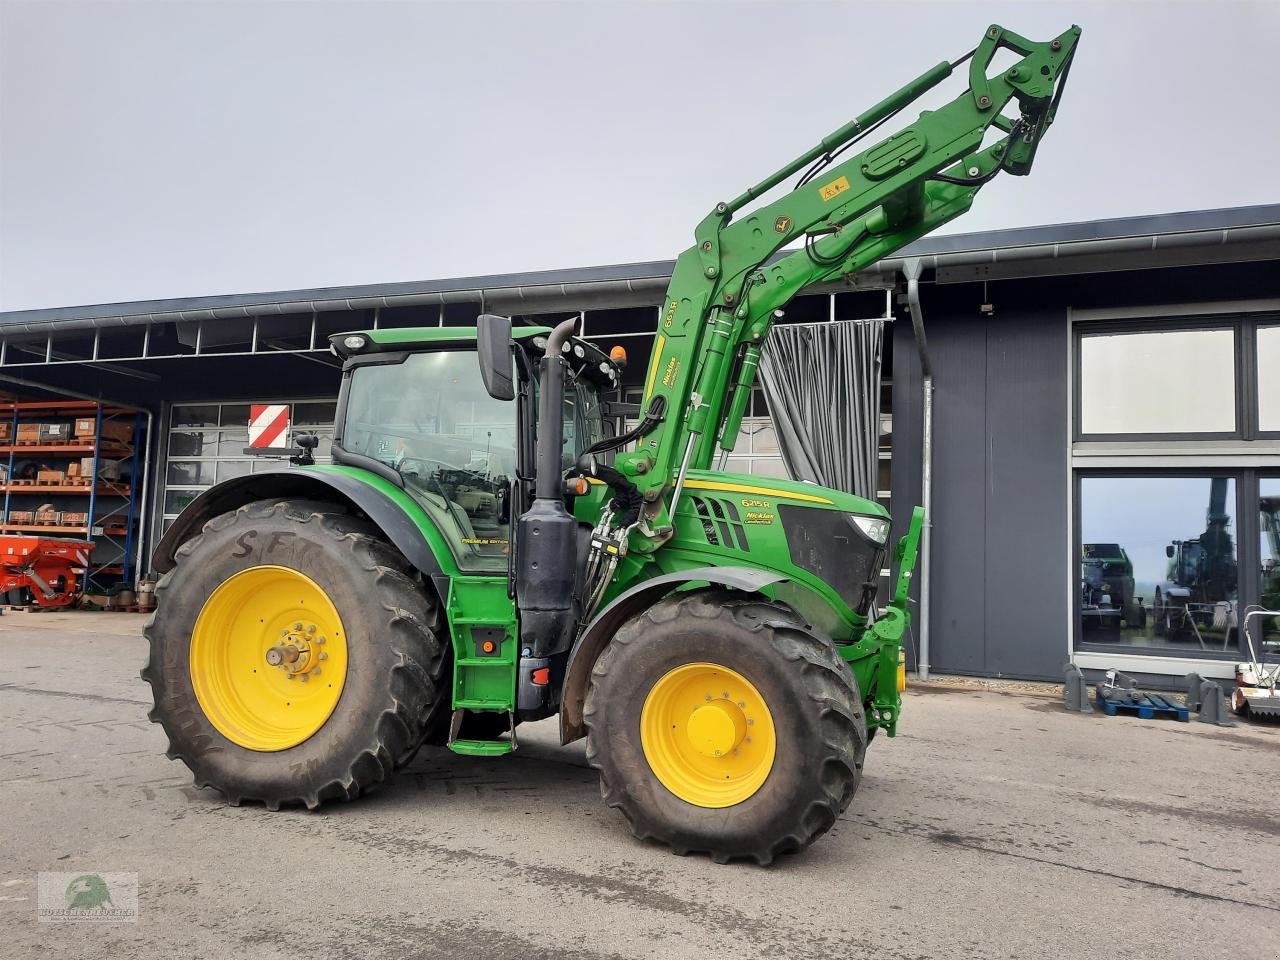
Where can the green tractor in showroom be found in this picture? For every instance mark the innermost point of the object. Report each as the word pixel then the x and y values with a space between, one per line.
pixel 483 552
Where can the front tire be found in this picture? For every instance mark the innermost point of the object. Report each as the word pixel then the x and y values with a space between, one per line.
pixel 759 763
pixel 238 624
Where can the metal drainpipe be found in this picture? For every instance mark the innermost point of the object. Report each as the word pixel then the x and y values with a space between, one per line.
pixel 911 269
pixel 146 462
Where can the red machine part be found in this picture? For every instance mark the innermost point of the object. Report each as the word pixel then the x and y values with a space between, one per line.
pixel 50 569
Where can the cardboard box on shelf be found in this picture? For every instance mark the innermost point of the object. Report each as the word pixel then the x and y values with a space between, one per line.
pixel 86 467
pixel 50 477
pixel 118 431
pixel 74 518
pixel 109 470
pixel 28 433
pixel 86 427
pixel 47 516
pixel 5 427
pixel 22 516
pixel 73 468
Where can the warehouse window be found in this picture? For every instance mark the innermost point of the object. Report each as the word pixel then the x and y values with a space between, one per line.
pixel 1170 381
pixel 1268 361
pixel 1158 562
pixel 207 441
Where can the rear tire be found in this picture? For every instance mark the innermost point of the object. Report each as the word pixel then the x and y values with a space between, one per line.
pixel 391 689
pixel 809 693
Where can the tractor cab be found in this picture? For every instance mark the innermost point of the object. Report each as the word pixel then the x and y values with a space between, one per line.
pixel 412 409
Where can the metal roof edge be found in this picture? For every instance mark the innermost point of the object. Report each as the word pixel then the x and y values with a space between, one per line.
pixel 533 285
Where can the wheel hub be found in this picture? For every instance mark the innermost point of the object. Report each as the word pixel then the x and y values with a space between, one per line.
pixel 716 728
pixel 298 653
pixel 708 735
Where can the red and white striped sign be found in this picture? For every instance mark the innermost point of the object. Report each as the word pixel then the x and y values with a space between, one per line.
pixel 268 424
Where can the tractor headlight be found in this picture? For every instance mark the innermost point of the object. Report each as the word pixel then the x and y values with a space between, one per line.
pixel 874 529
pixel 354 342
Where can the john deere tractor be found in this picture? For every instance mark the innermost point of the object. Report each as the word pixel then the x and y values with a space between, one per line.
pixel 483 552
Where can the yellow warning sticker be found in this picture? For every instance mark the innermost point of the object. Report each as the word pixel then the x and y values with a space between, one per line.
pixel 829 191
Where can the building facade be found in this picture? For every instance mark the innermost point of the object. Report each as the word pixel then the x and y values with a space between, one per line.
pixel 1105 442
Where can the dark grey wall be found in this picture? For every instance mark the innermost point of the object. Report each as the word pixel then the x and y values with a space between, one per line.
pixel 999 603
pixel 1000 569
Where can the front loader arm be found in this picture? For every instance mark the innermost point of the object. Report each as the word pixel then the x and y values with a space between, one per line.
pixel 847 214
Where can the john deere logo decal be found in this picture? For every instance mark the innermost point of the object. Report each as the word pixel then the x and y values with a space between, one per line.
pixel 782 224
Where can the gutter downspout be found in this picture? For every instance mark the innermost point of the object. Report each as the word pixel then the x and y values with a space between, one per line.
pixel 143 500
pixel 911 270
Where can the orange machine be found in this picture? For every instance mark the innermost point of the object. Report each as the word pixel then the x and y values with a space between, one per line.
pixel 45 571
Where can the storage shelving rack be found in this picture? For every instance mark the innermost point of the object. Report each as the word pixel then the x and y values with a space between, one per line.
pixel 112 508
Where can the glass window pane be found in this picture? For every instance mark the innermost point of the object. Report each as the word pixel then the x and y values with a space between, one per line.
pixel 1174 381
pixel 235 415
pixel 233 442
pixel 193 444
pixel 1268 386
pixel 201 415
pixel 763 438
pixel 314 414
pixel 190 473
pixel 767 467
pixel 175 501
pixel 235 468
pixel 1266 633
pixel 1158 563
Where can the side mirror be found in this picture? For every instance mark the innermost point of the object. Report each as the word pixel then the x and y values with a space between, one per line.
pixel 493 351
pixel 1168 551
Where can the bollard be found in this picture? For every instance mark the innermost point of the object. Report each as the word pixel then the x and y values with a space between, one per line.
pixel 1075 692
pixel 1213 705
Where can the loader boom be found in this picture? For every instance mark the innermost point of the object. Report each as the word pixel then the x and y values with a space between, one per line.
pixel 848 213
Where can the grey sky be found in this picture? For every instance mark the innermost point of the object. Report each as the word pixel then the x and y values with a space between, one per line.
pixel 173 149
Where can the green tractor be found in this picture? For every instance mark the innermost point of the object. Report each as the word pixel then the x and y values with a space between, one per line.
pixel 484 552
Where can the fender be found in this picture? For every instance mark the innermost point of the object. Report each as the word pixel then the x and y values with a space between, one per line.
pixel 589 646
pixel 390 517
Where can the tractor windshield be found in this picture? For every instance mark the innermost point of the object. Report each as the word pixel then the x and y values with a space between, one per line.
pixel 430 419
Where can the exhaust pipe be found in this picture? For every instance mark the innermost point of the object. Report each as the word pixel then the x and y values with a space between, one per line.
pixel 546 535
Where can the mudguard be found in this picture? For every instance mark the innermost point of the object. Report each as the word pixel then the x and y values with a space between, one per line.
pixel 399 527
pixel 626 605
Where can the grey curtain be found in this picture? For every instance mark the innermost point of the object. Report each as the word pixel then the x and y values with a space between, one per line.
pixel 822 384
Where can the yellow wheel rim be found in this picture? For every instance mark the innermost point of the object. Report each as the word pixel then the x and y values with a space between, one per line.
pixel 268 658
pixel 708 735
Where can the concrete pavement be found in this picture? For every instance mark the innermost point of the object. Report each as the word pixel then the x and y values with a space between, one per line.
pixel 994 826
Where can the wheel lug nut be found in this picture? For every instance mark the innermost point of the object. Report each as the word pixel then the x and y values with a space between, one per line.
pixel 305 678
pixel 742 704
pixel 315 672
pixel 320 639
pixel 324 656
pixel 708 698
pixel 750 722
pixel 288 676
pixel 311 628
pixel 298 625
pixel 726 694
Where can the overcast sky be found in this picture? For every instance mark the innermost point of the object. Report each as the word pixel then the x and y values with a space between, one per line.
pixel 177 149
